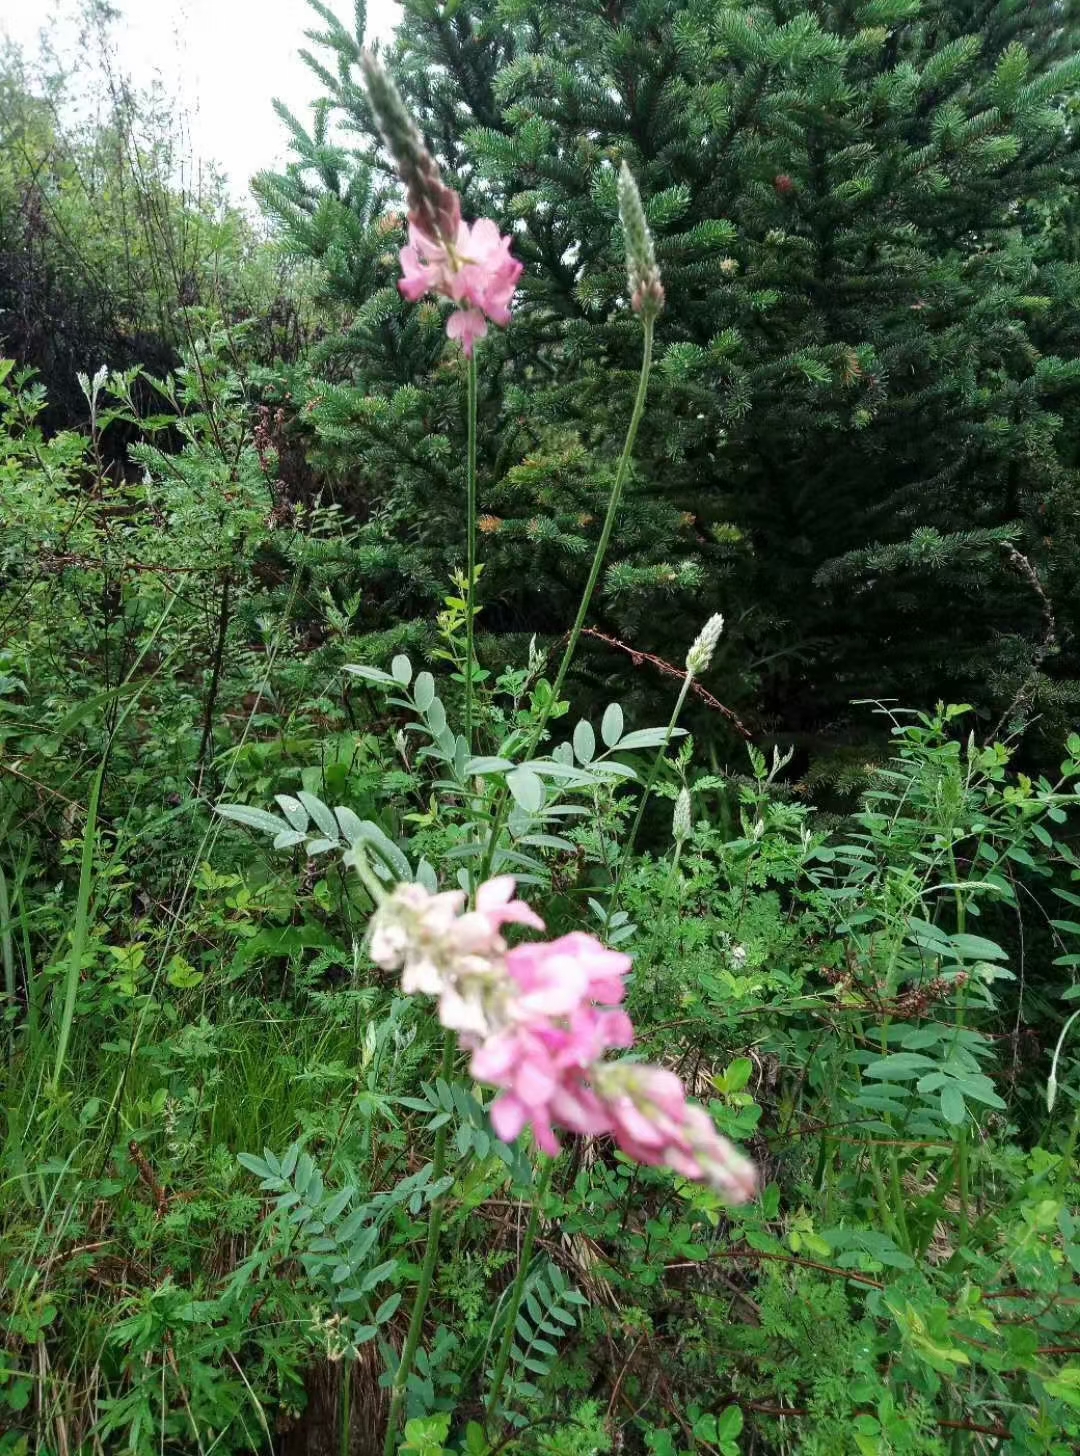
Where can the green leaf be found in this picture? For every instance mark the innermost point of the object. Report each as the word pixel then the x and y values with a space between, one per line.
pixel 900 1067
pixel 401 669
pixel 387 1308
pixel 378 1274
pixel 323 817
pixel 584 742
pixel 977 948
pixel 735 1077
pixel 372 674
pixel 384 846
pixel 424 691
pixel 254 1165
pixel 252 818
pixel 334 1209
pixel 953 1109
pixel 294 812
pixel 477 767
pixel 527 789
pixel 730 1424
pixel 648 738
pixel 611 725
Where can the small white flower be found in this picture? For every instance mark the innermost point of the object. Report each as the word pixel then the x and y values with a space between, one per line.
pixel 704 645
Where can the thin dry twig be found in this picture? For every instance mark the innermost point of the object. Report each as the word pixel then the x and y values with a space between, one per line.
pixel 637 657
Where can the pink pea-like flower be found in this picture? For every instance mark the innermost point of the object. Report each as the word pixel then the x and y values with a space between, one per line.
pixel 541 1069
pixel 539 1021
pixel 555 977
pixel 653 1123
pixel 444 950
pixel 475 270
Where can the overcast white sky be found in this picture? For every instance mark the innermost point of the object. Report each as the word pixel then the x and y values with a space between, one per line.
pixel 225 60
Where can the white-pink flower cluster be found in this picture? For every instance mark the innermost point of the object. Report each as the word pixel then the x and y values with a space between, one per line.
pixel 539 1020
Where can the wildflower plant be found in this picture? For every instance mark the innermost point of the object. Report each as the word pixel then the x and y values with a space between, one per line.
pixel 540 1022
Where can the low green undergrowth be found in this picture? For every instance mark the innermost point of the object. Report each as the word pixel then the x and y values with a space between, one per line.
pixel 868 1005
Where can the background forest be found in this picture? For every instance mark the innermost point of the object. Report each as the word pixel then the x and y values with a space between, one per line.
pixel 247 683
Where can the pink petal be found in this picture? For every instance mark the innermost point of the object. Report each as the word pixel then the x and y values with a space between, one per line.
pixel 546 1140
pixel 466 325
pixel 483 240
pixel 494 898
pixel 492 1061
pixel 494 893
pixel 534 1083
pixel 508 1117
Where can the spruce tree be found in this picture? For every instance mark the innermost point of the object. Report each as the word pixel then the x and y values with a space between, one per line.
pixel 858 444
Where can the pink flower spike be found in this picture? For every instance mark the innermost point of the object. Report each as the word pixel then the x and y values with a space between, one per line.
pixel 543 1069
pixel 653 1123
pixel 490 273
pixel 722 1165
pixel 474 269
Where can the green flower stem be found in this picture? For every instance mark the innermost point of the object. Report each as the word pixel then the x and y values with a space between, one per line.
pixel 367 877
pixel 628 848
pixel 517 1290
pixel 423 1289
pixel 605 535
pixel 602 545
pixel 470 591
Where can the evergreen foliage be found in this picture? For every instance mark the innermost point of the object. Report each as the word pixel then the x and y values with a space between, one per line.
pixel 855 446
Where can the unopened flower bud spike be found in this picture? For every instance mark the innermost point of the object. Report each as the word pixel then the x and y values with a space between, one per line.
pixel 642 270
pixel 704 645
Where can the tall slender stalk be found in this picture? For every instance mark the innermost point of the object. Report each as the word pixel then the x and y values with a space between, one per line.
pixel 470 592
pixel 602 545
pixel 627 850
pixel 215 675
pixel 517 1290
pixel 427 1271
pixel 345 1408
